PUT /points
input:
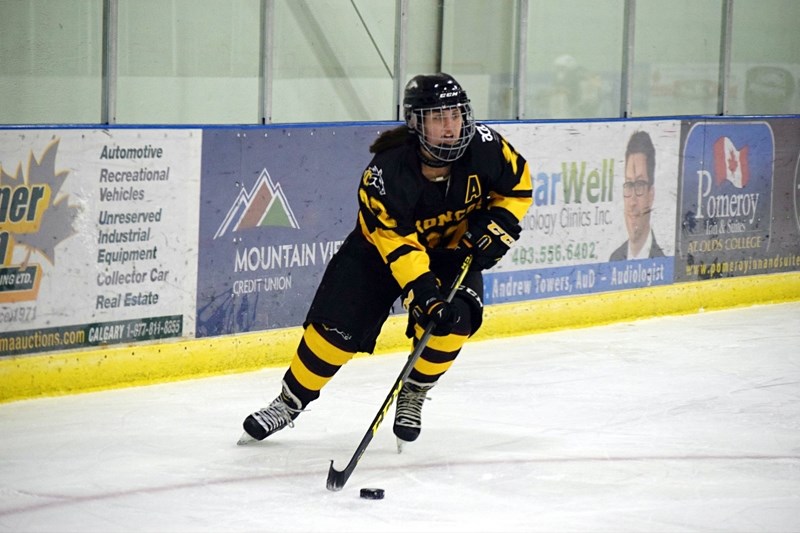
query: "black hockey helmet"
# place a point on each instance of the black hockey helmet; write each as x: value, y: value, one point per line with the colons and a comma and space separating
x: 425, y: 93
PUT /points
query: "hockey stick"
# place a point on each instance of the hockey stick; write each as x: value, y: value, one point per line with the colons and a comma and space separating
x: 337, y: 478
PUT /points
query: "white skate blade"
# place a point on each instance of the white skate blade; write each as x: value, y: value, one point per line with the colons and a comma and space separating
x: 245, y: 439
x: 400, y: 444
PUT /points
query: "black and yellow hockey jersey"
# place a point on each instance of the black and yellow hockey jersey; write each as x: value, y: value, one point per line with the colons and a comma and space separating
x: 403, y: 214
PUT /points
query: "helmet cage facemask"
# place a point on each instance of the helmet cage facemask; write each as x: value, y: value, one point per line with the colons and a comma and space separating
x: 445, y: 152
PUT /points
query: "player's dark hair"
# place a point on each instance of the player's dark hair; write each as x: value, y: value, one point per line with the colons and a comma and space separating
x: 640, y: 143
x: 391, y: 139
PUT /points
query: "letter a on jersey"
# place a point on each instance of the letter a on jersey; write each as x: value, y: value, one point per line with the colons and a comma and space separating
x: 473, y: 188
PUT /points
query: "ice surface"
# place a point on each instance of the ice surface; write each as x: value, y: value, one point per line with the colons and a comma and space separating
x: 671, y: 424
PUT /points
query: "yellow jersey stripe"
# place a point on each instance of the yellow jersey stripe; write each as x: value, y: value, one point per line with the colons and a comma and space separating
x: 524, y: 183
x: 516, y: 206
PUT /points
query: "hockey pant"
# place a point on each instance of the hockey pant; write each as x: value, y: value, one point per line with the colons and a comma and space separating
x: 321, y: 353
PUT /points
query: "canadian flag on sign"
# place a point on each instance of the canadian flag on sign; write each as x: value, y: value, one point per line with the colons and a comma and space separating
x: 730, y: 164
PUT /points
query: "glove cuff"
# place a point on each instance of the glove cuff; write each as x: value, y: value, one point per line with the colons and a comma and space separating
x: 422, y: 289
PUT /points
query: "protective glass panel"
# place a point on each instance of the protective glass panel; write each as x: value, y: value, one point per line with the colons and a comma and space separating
x: 333, y: 60
x: 677, y: 58
x: 423, y: 43
x: 478, y: 50
x: 50, y: 61
x: 765, y: 57
x: 574, y: 59
x: 188, y: 61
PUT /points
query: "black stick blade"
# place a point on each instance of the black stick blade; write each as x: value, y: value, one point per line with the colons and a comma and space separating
x: 336, y: 479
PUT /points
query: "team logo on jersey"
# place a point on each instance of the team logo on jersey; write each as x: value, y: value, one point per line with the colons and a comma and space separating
x: 373, y: 177
x: 263, y: 205
x: 34, y: 219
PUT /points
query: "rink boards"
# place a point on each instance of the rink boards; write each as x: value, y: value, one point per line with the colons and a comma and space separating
x: 139, y: 255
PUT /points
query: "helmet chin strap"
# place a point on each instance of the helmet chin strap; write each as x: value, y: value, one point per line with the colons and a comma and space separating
x: 435, y: 163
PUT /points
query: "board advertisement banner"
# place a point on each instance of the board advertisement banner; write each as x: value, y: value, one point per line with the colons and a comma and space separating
x: 98, y: 232
x: 125, y: 235
x: 276, y: 205
x: 738, y: 201
x: 575, y: 235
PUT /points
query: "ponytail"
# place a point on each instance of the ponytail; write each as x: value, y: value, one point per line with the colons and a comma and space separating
x: 391, y: 139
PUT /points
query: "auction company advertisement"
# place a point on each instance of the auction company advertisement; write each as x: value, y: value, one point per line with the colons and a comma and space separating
x: 97, y: 233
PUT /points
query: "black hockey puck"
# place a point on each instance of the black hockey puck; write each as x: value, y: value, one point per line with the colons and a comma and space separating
x: 372, y: 494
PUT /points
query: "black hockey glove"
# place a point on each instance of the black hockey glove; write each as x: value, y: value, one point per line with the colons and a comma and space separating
x: 426, y: 304
x: 489, y: 238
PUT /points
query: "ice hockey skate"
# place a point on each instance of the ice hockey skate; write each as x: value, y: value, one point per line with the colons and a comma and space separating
x: 408, y: 413
x: 276, y: 416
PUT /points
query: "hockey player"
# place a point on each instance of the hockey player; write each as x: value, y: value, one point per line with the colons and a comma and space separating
x: 439, y: 187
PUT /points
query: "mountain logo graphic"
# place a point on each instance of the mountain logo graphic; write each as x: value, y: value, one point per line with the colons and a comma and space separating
x: 263, y: 205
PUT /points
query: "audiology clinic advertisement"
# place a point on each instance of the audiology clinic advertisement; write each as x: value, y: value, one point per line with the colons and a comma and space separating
x: 576, y: 236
